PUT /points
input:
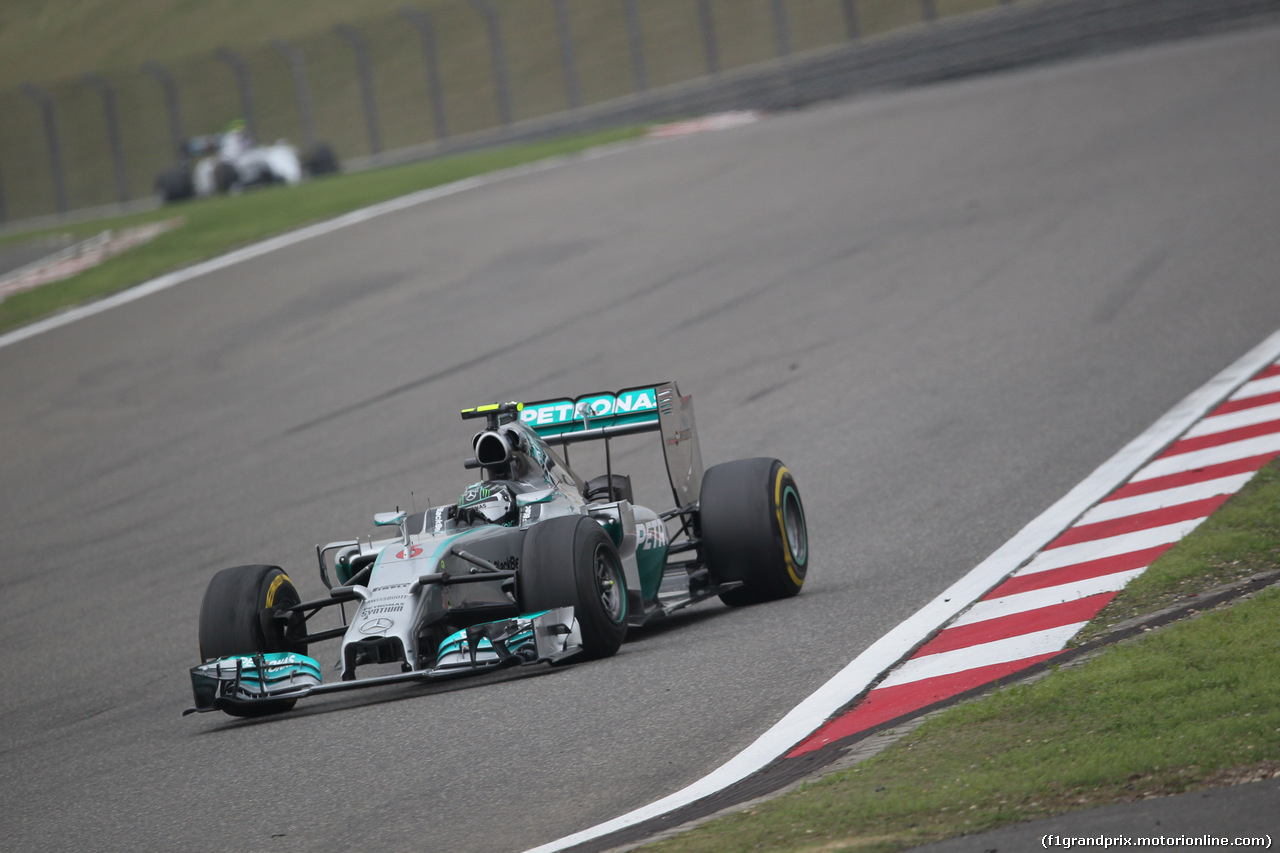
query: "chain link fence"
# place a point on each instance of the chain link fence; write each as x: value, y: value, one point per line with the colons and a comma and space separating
x: 447, y: 75
x: 430, y: 75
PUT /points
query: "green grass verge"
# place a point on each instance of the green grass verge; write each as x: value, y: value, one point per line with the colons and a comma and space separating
x: 214, y: 226
x: 1192, y: 704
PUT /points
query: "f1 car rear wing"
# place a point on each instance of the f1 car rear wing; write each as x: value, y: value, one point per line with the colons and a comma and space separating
x: 646, y: 408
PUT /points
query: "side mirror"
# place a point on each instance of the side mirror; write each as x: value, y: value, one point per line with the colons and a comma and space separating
x: 384, y: 519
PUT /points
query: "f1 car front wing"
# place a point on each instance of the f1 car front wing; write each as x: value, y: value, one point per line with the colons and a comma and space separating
x: 244, y: 683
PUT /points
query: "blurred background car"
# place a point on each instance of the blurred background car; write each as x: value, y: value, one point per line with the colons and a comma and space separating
x: 220, y: 163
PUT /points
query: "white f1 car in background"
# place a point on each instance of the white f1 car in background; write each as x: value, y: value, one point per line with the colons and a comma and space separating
x: 228, y: 162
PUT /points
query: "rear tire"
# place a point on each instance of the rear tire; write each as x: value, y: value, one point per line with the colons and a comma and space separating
x: 236, y: 618
x: 598, y: 489
x: 320, y: 160
x: 753, y: 530
x: 174, y: 185
x: 570, y: 561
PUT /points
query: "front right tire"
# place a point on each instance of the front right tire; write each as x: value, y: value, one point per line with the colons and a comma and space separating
x: 570, y: 561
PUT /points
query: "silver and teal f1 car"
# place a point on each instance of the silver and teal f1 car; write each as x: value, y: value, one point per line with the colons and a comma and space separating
x: 531, y: 564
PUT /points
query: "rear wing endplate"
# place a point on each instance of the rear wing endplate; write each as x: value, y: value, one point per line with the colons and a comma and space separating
x: 647, y: 408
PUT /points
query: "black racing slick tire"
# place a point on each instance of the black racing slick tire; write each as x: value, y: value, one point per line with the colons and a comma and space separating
x: 237, y: 618
x: 570, y: 561
x: 606, y: 488
x: 752, y: 529
x: 225, y: 177
x: 174, y: 185
x: 320, y: 160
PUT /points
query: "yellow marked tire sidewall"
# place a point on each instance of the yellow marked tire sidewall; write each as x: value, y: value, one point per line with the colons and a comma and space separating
x: 783, y: 474
x: 276, y: 583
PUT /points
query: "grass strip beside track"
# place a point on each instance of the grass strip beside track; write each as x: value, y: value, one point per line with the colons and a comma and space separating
x: 1194, y: 704
x: 212, y: 227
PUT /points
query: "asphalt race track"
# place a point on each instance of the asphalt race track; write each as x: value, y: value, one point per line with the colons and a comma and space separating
x: 941, y: 308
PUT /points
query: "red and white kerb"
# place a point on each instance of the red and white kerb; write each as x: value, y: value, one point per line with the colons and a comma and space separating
x: 1035, y: 612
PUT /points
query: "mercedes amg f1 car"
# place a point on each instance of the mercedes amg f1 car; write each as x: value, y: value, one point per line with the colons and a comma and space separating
x: 531, y: 564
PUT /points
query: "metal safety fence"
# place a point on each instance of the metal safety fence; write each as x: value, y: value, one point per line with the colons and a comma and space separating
x: 434, y: 74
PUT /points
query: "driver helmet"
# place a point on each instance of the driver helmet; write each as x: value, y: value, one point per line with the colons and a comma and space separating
x: 235, y: 139
x: 487, y: 503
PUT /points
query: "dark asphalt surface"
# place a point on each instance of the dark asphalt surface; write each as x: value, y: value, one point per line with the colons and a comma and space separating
x: 941, y: 308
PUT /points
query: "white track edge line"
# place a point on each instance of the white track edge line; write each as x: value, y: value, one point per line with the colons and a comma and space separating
x: 883, y: 654
x: 290, y: 238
